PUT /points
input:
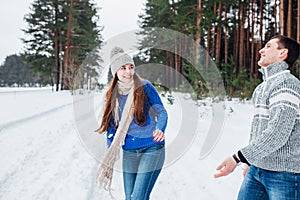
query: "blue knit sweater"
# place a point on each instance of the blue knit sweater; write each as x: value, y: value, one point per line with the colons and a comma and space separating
x: 156, y: 118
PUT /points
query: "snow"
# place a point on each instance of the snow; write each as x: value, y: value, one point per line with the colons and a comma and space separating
x: 44, y: 155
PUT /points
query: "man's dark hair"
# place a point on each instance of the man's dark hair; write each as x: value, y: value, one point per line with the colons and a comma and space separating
x: 292, y: 46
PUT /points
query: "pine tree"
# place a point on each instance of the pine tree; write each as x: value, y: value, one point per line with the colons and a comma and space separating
x: 232, y: 32
x: 14, y: 71
x: 60, y: 33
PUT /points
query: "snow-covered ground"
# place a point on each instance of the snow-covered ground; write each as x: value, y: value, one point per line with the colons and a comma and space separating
x: 44, y: 157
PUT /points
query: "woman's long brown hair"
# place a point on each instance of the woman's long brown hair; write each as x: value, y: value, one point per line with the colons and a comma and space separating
x: 138, y: 98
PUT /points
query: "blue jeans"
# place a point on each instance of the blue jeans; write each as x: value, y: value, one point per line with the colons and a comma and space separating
x: 141, y: 168
x: 260, y: 184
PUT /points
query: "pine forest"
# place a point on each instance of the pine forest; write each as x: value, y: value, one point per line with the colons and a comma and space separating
x: 62, y: 33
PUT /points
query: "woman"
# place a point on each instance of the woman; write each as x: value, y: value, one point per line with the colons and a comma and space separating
x: 134, y: 118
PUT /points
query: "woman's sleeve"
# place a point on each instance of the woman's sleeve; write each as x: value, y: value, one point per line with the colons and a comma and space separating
x: 157, y: 106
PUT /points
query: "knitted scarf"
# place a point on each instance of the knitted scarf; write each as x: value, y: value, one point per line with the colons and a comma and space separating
x: 105, y: 171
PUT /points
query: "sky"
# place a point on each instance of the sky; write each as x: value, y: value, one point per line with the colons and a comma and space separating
x: 116, y: 16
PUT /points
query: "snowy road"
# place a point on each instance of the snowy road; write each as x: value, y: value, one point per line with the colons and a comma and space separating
x: 43, y: 157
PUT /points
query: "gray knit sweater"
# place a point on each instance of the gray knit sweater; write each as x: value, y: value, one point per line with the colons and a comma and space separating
x: 275, y: 132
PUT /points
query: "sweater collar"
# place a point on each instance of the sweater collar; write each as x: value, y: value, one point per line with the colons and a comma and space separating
x: 273, y: 69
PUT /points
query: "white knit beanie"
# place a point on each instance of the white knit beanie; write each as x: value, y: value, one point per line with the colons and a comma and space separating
x: 118, y: 58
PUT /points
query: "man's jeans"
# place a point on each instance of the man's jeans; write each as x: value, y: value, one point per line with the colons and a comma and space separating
x: 262, y: 184
x: 141, y: 168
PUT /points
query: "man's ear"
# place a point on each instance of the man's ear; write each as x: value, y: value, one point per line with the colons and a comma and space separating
x: 283, y: 53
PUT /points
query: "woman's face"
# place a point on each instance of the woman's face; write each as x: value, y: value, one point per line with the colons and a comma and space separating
x: 125, y: 73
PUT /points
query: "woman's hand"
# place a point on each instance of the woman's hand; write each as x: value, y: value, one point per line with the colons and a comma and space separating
x: 158, y: 136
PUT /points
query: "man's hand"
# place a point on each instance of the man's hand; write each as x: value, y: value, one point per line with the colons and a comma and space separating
x: 245, y: 170
x: 226, y: 167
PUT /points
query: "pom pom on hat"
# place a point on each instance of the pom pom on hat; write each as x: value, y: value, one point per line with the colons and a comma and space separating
x: 116, y: 50
x: 118, y: 58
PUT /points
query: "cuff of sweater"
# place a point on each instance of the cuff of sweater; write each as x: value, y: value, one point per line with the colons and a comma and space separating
x: 242, y: 158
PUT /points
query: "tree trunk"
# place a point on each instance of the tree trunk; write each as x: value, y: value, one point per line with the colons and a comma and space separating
x: 237, y: 41
x: 235, y: 48
x: 214, y: 32
x: 260, y: 42
x: 241, y: 43
x: 253, y: 53
x: 198, y: 20
x: 198, y: 39
x: 61, y: 66
x: 261, y: 15
x: 226, y: 38
x: 275, y: 17
x: 298, y: 22
x: 247, y: 52
x: 219, y: 33
x: 166, y: 71
x: 67, y: 49
x: 176, y: 60
x: 289, y: 19
x: 57, y: 49
x: 281, y: 17
x: 208, y: 47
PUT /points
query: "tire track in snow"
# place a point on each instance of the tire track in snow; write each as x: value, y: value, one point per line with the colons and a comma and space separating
x: 46, y: 161
x: 37, y: 115
x: 34, y: 116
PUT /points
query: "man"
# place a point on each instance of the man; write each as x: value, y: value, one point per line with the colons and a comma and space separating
x: 273, y: 155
